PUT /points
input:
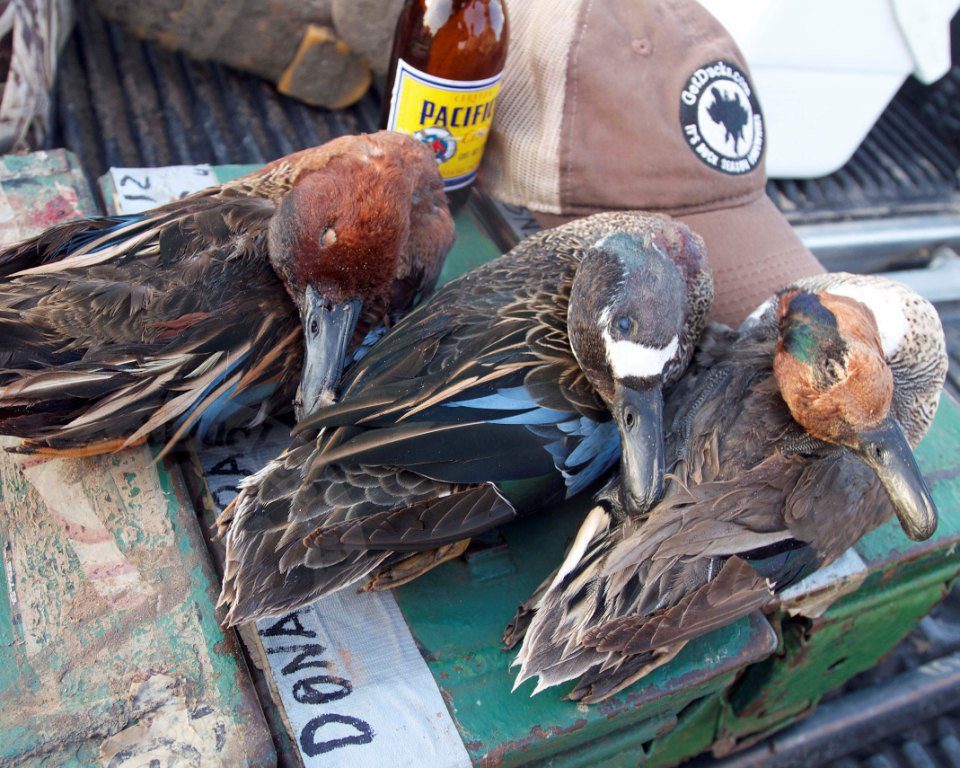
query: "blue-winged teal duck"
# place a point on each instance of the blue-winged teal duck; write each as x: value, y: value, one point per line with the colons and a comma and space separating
x: 520, y: 382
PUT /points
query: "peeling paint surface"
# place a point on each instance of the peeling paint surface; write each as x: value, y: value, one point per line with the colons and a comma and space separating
x: 114, y: 636
x: 864, y: 608
x: 39, y: 190
x: 457, y: 620
x: 899, y: 584
x: 110, y: 649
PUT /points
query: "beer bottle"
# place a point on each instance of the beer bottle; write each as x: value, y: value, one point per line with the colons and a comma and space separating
x: 444, y: 77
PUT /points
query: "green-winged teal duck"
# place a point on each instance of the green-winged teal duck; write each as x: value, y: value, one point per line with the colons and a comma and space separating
x: 789, y: 441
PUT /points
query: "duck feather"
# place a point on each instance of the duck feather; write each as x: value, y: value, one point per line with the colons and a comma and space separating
x: 107, y: 302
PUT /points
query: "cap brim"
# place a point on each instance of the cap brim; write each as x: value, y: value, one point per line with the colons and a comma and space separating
x: 753, y: 253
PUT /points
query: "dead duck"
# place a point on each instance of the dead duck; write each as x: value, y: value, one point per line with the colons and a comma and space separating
x: 521, y: 381
x: 790, y: 441
x: 114, y: 328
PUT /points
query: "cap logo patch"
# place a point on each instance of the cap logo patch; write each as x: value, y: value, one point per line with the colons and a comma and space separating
x: 721, y: 118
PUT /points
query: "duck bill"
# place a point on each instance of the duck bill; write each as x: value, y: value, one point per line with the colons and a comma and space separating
x: 887, y: 452
x: 327, y: 331
x: 639, y: 414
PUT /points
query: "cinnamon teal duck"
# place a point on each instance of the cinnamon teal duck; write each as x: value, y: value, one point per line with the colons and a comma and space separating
x: 790, y: 440
x: 114, y: 328
x: 520, y: 382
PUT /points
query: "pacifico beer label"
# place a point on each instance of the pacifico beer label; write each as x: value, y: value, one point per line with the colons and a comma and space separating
x: 452, y: 117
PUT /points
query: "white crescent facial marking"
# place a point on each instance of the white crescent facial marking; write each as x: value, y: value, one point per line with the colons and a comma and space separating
x: 887, y: 309
x: 627, y: 358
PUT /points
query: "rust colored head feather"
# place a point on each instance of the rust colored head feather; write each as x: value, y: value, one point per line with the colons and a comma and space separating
x: 835, y: 380
x: 360, y: 213
x: 830, y: 365
x: 344, y: 224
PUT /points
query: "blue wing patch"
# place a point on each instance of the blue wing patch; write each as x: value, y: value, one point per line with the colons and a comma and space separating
x: 582, y: 449
x: 369, y: 340
x: 227, y: 404
x: 596, y: 452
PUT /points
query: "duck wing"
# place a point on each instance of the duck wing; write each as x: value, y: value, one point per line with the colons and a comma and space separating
x: 730, y: 578
x: 707, y: 556
x: 473, y: 391
x: 59, y: 241
x: 289, y: 542
x: 477, y: 385
x: 111, y: 328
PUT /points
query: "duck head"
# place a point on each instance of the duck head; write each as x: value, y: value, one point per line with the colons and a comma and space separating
x: 625, y: 322
x: 835, y: 380
x: 342, y: 237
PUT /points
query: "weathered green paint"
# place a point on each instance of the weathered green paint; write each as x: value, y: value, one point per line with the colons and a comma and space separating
x: 471, y: 249
x: 72, y: 663
x: 232, y: 171
x: 72, y: 678
x: 457, y: 618
x: 905, y: 580
x: 204, y: 582
x: 821, y: 654
x: 73, y: 689
x: 38, y: 190
x: 192, y: 472
x: 695, y: 732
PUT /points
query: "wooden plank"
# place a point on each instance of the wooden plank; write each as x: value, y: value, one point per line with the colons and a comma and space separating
x: 110, y: 650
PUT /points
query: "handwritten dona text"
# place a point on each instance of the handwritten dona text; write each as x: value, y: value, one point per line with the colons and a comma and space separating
x: 309, y: 677
x: 327, y: 731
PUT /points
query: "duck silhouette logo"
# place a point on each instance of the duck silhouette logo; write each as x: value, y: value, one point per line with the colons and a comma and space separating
x: 440, y: 140
x: 721, y: 119
x: 729, y: 112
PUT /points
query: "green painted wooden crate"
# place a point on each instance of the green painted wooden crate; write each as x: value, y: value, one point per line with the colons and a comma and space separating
x: 458, y: 611
x: 903, y: 581
x: 722, y: 691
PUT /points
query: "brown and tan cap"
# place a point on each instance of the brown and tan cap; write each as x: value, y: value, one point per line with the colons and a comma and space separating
x: 642, y: 104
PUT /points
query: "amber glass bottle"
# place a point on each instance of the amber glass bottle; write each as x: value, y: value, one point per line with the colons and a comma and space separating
x: 444, y: 77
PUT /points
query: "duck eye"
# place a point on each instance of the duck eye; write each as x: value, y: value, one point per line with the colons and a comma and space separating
x: 328, y: 236
x: 834, y: 370
x: 314, y: 327
x: 624, y: 323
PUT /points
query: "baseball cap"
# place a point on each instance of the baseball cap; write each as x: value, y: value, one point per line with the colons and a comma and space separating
x: 642, y: 104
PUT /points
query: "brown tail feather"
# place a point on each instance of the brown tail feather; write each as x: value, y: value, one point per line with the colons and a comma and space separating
x: 92, y: 449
